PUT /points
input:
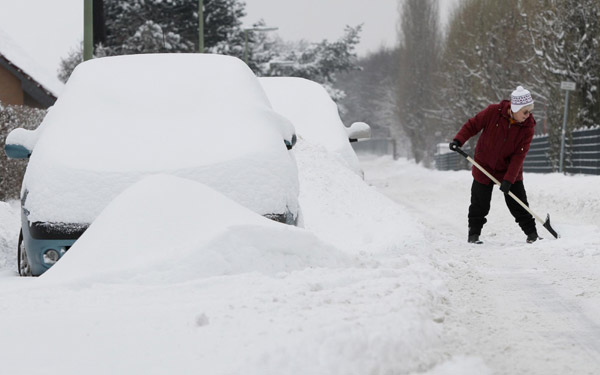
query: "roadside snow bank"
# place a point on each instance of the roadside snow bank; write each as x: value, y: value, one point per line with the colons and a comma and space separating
x: 339, y: 207
x: 170, y: 229
x: 10, y: 224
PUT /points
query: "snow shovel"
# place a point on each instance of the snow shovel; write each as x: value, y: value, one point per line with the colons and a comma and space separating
x: 546, y: 223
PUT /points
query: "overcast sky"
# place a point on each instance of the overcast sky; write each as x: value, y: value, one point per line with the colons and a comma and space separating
x: 315, y: 20
x: 49, y: 29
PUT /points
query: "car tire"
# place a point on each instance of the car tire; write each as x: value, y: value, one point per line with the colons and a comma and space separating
x: 22, y: 260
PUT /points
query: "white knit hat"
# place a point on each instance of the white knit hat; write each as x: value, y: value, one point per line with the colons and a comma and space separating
x: 520, y: 98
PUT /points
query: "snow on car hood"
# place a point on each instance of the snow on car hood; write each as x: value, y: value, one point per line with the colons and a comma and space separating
x: 203, y: 117
x: 312, y: 111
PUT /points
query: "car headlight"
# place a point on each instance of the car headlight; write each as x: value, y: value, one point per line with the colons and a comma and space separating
x: 51, y: 256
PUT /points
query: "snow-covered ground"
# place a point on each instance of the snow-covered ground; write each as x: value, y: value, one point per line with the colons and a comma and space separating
x: 521, y: 308
x: 372, y: 284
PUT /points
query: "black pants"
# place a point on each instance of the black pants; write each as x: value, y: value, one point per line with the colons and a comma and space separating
x: 481, y: 196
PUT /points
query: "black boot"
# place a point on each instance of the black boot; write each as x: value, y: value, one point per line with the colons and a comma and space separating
x: 532, y: 237
x: 474, y: 238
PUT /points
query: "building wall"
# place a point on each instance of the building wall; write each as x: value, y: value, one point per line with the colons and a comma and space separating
x: 31, y: 102
x: 10, y: 88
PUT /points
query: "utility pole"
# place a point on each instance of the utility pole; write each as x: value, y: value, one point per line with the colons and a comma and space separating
x: 567, y: 86
x: 88, y: 29
x: 200, y: 26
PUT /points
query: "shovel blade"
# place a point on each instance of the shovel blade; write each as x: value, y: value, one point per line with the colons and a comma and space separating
x: 549, y: 227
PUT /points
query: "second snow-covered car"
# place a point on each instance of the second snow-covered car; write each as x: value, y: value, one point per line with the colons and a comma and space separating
x: 315, y: 116
x: 198, y: 116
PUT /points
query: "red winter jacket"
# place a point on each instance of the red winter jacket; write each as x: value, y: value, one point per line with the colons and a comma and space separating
x: 502, y: 147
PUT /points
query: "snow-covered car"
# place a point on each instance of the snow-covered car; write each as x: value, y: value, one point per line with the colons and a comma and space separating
x: 315, y: 116
x: 198, y: 116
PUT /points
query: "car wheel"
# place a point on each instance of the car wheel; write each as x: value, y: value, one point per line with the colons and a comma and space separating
x: 23, y: 262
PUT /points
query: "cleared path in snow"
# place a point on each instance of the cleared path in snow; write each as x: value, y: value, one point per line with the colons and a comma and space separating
x: 524, y: 309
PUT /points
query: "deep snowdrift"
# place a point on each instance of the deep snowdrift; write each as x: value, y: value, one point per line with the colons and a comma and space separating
x: 168, y: 229
x: 10, y: 224
x: 189, y: 283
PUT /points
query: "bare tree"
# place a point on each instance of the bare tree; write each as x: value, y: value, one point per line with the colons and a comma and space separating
x: 371, y: 92
x: 493, y: 46
x: 487, y: 53
x: 418, y: 64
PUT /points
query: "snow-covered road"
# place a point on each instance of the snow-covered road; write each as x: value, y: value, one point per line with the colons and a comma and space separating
x: 366, y: 287
x: 524, y: 309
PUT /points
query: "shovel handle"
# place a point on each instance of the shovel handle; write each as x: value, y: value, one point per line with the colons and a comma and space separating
x: 460, y: 151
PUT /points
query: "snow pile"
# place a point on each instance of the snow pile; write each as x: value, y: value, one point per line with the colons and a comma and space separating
x: 10, y: 224
x: 195, y: 233
x: 583, y: 199
x: 562, y: 197
x: 339, y: 207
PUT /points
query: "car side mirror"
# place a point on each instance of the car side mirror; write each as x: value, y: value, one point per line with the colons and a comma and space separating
x: 292, y: 143
x: 18, y: 143
x: 16, y: 151
x: 358, y: 130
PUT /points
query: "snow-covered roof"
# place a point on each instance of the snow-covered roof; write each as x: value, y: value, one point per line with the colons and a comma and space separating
x: 18, y: 59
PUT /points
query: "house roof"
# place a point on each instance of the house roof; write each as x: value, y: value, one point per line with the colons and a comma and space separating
x: 36, y: 80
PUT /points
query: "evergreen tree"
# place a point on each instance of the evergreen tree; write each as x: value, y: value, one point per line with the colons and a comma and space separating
x: 222, y: 24
x: 319, y: 62
x: 149, y: 26
x: 150, y: 37
x: 176, y: 20
x: 69, y: 63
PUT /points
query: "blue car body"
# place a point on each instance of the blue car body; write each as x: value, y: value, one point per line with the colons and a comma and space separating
x: 37, y: 245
